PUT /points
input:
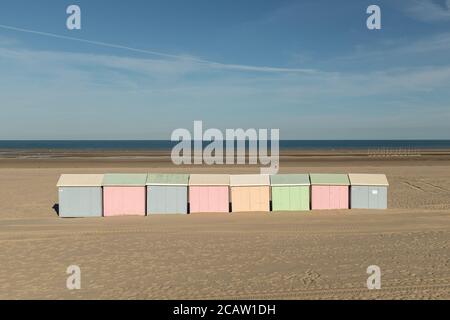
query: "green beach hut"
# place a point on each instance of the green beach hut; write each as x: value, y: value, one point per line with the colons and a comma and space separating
x: 290, y: 192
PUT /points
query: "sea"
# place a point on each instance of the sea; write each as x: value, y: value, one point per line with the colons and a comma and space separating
x: 166, y: 144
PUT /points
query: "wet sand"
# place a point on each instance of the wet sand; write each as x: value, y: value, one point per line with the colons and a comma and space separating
x: 301, y: 255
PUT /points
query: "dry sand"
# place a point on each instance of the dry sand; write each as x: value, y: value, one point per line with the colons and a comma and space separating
x: 312, y: 255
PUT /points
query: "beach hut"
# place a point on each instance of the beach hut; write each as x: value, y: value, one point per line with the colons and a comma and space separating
x: 167, y: 193
x: 329, y: 191
x: 124, y: 194
x: 80, y: 195
x: 209, y: 192
x: 250, y: 192
x: 290, y: 192
x: 368, y: 191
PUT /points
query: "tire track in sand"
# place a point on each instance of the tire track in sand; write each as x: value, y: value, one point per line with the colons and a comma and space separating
x: 336, y: 292
x: 435, y: 186
x: 413, y: 186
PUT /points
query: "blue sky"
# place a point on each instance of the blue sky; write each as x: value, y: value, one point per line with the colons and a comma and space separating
x: 310, y: 68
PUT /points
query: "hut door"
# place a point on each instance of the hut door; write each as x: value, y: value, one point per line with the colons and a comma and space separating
x: 373, y: 198
x: 360, y: 197
x: 377, y: 198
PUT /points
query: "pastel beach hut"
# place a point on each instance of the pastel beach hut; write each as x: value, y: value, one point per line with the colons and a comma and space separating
x: 368, y: 191
x: 250, y: 193
x: 209, y: 193
x: 124, y: 194
x: 329, y: 191
x: 167, y: 193
x: 290, y: 192
x: 80, y: 195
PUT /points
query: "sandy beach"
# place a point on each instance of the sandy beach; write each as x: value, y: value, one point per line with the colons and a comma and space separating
x: 301, y: 255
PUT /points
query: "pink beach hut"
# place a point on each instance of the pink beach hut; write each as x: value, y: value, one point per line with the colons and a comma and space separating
x: 124, y: 194
x: 329, y: 191
x: 209, y: 192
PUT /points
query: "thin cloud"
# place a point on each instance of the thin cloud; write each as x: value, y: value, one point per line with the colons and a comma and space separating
x: 70, y: 84
x: 168, y: 76
x: 7, y: 42
x: 208, y: 63
x: 428, y: 10
x: 435, y: 43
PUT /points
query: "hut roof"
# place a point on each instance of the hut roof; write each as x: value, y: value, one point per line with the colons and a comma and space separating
x: 249, y: 180
x: 333, y: 179
x: 169, y: 179
x: 80, y: 180
x: 290, y: 180
x: 362, y: 179
x: 124, y: 179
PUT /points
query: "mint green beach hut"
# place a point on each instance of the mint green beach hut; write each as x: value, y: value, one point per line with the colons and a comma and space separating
x: 290, y: 192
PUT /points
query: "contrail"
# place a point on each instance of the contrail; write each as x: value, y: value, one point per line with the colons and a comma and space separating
x: 212, y: 64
